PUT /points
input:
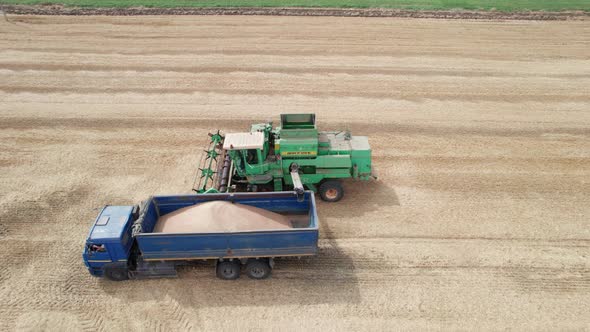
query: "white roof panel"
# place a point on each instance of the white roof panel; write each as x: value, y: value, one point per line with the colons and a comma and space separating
x: 242, y: 141
x: 360, y: 143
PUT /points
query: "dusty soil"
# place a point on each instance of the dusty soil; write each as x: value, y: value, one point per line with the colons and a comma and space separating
x: 480, y: 131
x: 296, y: 11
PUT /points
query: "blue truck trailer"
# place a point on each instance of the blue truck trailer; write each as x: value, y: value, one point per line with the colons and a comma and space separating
x: 121, y: 244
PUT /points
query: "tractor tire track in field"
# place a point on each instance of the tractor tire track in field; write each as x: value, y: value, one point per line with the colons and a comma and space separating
x: 480, y: 133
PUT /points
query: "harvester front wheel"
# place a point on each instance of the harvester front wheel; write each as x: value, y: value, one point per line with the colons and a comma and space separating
x: 331, y: 191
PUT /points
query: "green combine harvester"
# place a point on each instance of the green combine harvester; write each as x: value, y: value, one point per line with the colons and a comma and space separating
x: 293, y: 156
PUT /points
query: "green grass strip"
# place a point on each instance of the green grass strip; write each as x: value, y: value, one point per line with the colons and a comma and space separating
x: 501, y: 5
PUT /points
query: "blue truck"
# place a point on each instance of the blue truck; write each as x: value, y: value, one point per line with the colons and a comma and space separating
x: 121, y: 244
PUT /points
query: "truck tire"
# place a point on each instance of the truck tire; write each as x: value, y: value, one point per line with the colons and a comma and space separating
x: 228, y: 270
x: 331, y: 191
x: 116, y: 272
x: 258, y: 269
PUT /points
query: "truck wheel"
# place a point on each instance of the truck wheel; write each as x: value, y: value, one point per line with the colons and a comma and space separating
x: 258, y: 269
x: 228, y: 270
x: 331, y: 191
x: 116, y: 272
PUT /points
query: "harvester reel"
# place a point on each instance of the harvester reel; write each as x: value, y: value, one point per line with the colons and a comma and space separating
x: 208, y: 164
x: 212, y: 154
x: 217, y: 137
x: 206, y: 173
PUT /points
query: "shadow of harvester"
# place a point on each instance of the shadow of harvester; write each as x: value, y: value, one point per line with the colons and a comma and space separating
x: 360, y: 198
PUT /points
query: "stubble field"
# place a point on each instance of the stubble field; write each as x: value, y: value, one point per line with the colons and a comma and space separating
x: 480, y: 131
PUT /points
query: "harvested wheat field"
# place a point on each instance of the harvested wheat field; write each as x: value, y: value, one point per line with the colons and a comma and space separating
x: 480, y: 132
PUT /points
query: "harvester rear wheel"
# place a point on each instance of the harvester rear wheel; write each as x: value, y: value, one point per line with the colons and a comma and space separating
x: 331, y: 191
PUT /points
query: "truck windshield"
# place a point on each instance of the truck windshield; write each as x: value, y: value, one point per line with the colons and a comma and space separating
x: 97, y: 248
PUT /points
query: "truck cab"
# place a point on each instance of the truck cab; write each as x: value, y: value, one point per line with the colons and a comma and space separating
x: 109, y: 242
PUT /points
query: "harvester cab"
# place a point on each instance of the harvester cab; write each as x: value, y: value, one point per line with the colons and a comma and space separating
x: 293, y: 156
x: 247, y: 151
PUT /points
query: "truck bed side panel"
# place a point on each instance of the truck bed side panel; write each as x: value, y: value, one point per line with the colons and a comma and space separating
x: 227, y: 245
x: 268, y: 243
